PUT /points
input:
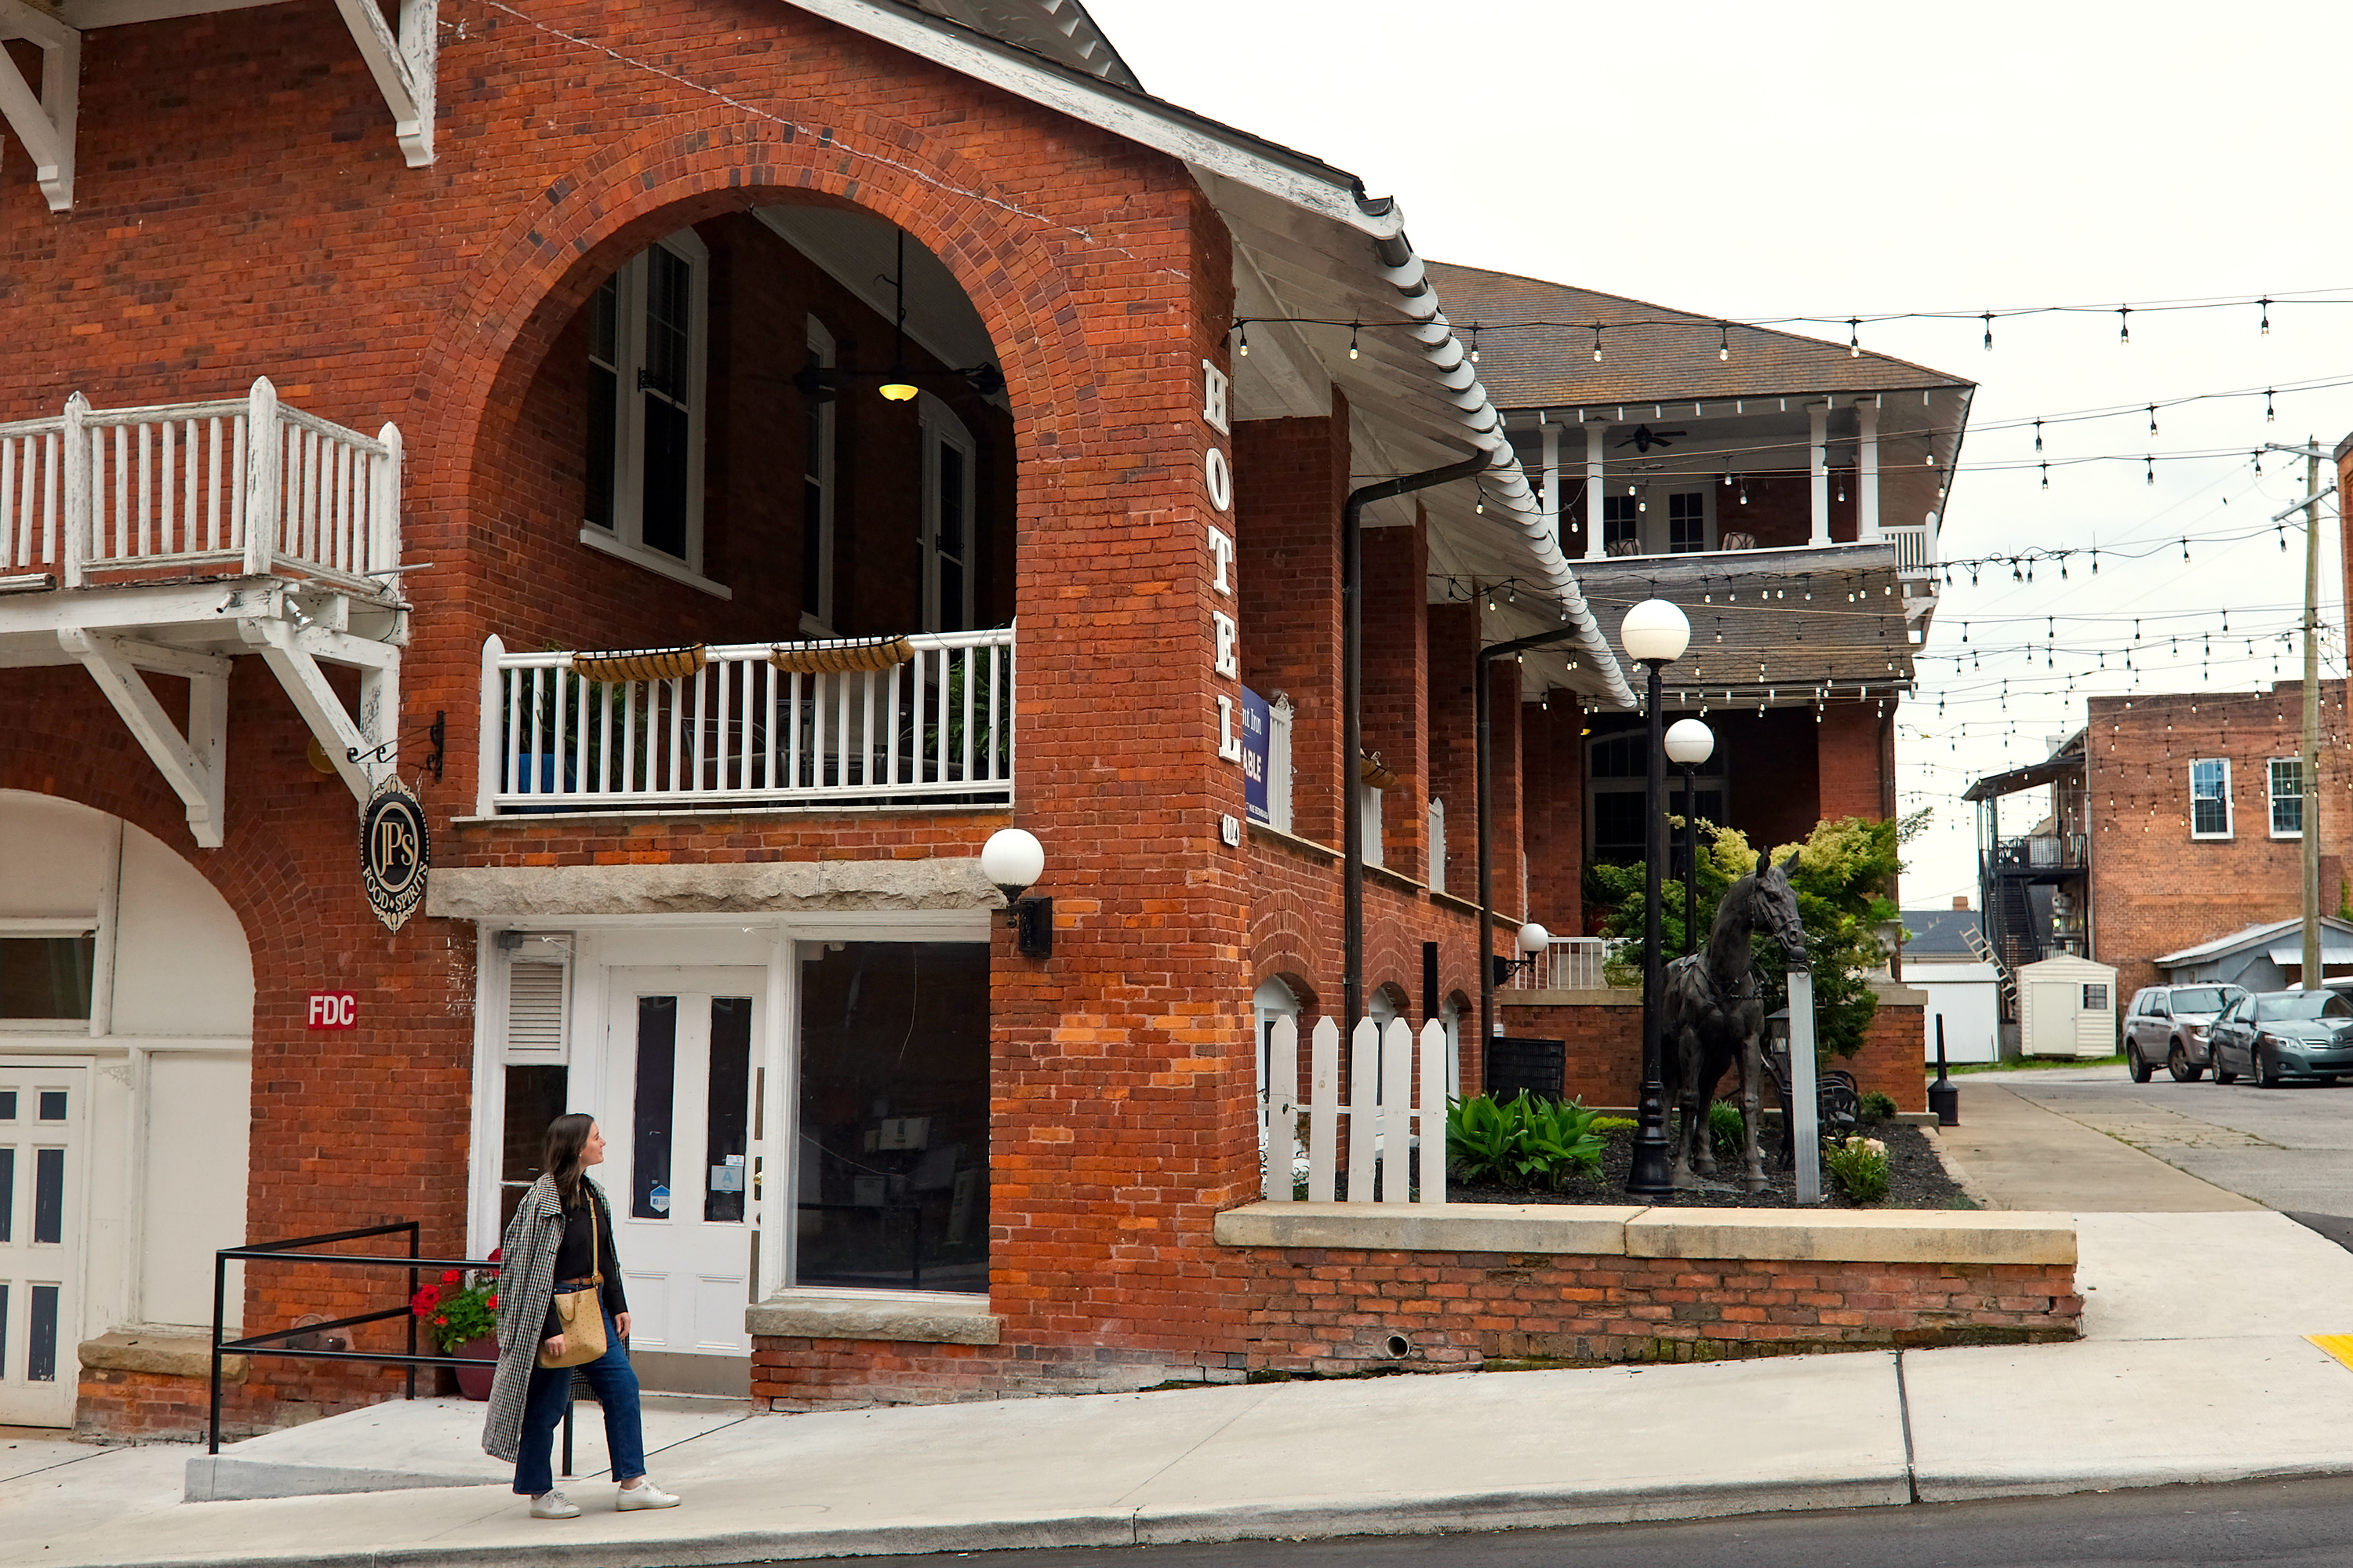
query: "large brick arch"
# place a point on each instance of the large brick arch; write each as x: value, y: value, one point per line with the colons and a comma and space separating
x: 533, y: 276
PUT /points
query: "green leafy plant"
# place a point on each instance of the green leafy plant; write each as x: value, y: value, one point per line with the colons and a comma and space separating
x: 1525, y: 1142
x: 462, y: 1307
x: 1876, y: 1107
x: 1605, y: 1125
x: 1727, y: 1128
x: 1859, y: 1166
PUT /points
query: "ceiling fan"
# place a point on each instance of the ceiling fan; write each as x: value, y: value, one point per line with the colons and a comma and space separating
x: 1645, y: 438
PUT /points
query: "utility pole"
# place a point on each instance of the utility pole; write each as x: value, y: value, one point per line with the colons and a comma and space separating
x: 2309, y: 768
x: 2308, y: 764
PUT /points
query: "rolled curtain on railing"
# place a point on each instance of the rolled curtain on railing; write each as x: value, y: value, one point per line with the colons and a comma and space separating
x: 739, y: 724
x: 232, y: 480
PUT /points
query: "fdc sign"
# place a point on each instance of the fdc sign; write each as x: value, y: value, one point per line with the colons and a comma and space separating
x: 334, y: 1010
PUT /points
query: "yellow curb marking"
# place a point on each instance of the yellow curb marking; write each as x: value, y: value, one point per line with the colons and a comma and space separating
x: 2337, y: 1345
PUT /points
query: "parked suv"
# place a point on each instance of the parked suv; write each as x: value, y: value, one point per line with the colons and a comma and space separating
x: 2169, y: 1023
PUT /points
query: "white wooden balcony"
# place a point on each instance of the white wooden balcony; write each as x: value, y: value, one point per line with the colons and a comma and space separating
x: 169, y: 538
x: 919, y: 721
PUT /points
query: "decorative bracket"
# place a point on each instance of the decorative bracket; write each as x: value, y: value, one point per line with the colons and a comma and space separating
x: 194, y: 765
x: 353, y: 746
x: 404, y: 65
x: 44, y: 124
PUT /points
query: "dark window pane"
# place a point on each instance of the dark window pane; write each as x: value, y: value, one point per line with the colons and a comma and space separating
x: 892, y: 1173
x: 670, y: 279
x: 951, y: 595
x: 664, y: 512
x: 4, y: 1325
x: 52, y: 1105
x: 951, y: 499
x: 604, y: 409
x: 49, y: 1195
x: 812, y: 549
x: 650, y: 1114
x: 1618, y: 824
x: 604, y: 325
x: 535, y: 1096
x: 45, y: 977
x: 1686, y: 522
x: 1621, y: 520
x: 7, y: 1105
x: 730, y: 1112
x: 41, y: 1356
x: 7, y: 1198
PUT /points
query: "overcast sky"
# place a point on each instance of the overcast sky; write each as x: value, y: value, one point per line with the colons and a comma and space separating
x: 1846, y: 159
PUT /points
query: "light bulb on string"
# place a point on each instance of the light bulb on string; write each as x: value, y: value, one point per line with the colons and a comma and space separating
x: 2037, y: 435
x: 2152, y: 469
x: 1241, y: 330
x: 2124, y: 324
x: 1352, y: 343
x: 1474, y: 343
x: 1855, y: 337
x: 1988, y: 326
x: 2046, y: 476
x: 2270, y: 414
x: 1596, y: 343
x: 2266, y: 302
x: 1723, y: 341
x: 2152, y: 418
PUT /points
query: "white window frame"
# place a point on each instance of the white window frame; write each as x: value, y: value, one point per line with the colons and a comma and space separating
x: 67, y: 927
x: 2228, y: 811
x: 821, y: 468
x: 1705, y: 491
x: 626, y: 538
x: 940, y: 426
x: 2271, y: 779
x: 1368, y: 824
x: 1653, y: 534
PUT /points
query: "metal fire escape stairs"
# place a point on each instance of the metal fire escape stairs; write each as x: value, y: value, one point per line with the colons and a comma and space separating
x: 169, y: 540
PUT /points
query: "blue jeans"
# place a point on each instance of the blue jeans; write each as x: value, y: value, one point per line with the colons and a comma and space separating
x: 614, y: 1382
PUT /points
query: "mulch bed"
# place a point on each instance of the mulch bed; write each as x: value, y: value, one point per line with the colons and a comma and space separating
x: 1916, y: 1179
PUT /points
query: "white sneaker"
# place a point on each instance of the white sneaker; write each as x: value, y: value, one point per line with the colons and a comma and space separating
x: 645, y: 1494
x: 554, y: 1505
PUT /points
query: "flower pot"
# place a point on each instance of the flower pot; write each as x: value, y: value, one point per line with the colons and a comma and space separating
x: 474, y: 1382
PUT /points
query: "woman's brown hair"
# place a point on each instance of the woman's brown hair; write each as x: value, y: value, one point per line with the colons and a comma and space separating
x: 567, y: 1135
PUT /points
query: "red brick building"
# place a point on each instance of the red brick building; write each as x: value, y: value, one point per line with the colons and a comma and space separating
x: 511, y: 404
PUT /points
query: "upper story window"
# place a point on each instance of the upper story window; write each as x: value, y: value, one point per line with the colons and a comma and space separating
x: 648, y: 327
x: 818, y: 481
x: 2287, y: 797
x: 1686, y: 522
x: 2210, y: 797
x: 1621, y: 525
x: 1616, y: 786
x: 949, y: 496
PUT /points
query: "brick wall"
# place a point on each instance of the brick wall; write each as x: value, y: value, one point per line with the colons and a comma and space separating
x: 1604, y: 1048
x: 1397, y: 685
x: 1335, y: 1311
x: 2156, y: 889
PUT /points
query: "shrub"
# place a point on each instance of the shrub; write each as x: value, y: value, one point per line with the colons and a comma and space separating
x: 1524, y: 1141
x: 1609, y: 1124
x: 1727, y: 1128
x: 1876, y: 1107
x: 1859, y: 1166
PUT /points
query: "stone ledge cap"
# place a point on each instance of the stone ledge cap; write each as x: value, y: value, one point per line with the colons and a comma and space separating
x: 163, y: 1354
x: 1855, y: 1236
x: 933, y: 1317
x: 1430, y: 1227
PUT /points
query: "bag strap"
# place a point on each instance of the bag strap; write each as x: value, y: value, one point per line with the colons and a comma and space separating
x: 596, y: 1240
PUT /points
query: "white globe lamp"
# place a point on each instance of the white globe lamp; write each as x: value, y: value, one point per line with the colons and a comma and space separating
x: 1690, y: 743
x: 1654, y: 633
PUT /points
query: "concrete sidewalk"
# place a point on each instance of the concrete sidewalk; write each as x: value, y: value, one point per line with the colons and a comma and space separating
x: 2010, y: 1153
x: 2195, y: 1367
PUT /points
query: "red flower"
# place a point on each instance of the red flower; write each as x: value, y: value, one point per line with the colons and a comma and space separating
x: 497, y: 1253
x: 451, y: 1277
x: 493, y: 1302
x: 441, y: 1318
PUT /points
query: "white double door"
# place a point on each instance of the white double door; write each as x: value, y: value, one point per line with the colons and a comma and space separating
x: 682, y: 1074
x: 44, y: 1121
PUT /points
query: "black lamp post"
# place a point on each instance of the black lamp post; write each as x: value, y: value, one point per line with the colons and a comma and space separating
x: 1689, y: 744
x: 1655, y: 634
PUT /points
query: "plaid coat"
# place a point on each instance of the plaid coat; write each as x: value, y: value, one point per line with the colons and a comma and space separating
x: 526, y: 1285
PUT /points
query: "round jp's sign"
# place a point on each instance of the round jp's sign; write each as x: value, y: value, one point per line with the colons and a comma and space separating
x: 395, y: 853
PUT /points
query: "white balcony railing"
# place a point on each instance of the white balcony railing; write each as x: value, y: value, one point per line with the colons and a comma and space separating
x: 752, y: 723
x: 1915, y: 548
x: 1568, y: 963
x: 240, y: 485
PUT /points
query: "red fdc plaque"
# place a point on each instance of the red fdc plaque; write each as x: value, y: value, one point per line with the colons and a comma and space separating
x: 334, y: 1010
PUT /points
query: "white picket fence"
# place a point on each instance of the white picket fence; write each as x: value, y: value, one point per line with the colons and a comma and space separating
x: 1395, y: 1113
x: 234, y: 484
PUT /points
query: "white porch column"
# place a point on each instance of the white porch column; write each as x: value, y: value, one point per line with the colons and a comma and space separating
x: 1594, y: 481
x: 1818, y: 420
x: 1866, y: 478
x: 1552, y: 480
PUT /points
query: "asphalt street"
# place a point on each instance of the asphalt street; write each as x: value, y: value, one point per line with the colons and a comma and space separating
x: 2289, y: 1149
x: 2305, y: 1522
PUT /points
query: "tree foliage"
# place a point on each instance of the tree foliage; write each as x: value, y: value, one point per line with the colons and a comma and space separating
x: 1845, y: 874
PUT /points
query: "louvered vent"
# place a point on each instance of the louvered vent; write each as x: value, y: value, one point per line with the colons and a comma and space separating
x: 534, y: 1009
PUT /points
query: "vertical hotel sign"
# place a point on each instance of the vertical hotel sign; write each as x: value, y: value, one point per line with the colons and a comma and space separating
x: 1218, y: 479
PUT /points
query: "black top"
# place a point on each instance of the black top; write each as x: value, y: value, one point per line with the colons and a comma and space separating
x: 572, y: 1259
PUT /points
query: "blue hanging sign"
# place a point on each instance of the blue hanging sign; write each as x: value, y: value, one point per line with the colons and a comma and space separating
x: 1257, y: 719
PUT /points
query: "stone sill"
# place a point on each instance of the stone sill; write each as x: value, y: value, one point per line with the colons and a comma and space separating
x: 1606, y: 996
x: 1833, y: 1235
x: 161, y: 1353
x: 909, y: 1317
x: 1293, y: 842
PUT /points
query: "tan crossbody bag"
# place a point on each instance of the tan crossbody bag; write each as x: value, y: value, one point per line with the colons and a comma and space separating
x: 581, y: 1313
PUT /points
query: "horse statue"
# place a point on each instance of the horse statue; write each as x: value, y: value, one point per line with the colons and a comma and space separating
x: 1713, y: 1018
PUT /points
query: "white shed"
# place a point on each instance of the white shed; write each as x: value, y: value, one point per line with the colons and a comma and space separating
x: 2067, y: 1007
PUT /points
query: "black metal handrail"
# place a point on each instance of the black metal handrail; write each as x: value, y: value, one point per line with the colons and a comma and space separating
x: 291, y: 1252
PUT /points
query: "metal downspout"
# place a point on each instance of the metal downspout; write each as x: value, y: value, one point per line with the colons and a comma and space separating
x: 1352, y: 682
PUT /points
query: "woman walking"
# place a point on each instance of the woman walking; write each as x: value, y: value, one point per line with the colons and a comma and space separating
x: 558, y: 1262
